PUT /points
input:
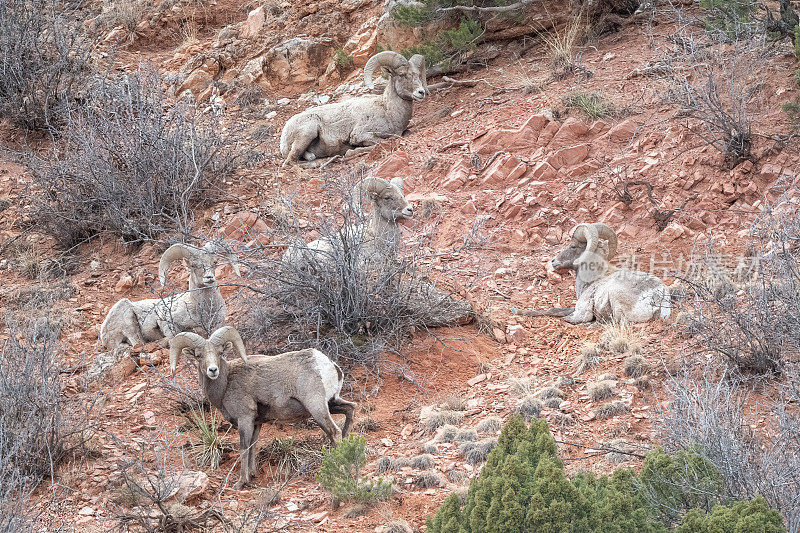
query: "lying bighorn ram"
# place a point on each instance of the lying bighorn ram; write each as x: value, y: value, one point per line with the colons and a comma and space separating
x: 333, y: 129
x: 605, y: 292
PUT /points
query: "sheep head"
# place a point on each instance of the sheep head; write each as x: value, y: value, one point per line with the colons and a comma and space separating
x: 208, y: 353
x: 202, y: 262
x: 387, y: 197
x: 407, y: 77
x: 590, y: 248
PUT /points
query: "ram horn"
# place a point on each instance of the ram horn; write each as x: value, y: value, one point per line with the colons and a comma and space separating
x: 397, y: 181
x: 419, y: 61
x: 367, y: 185
x: 229, y: 334
x: 588, y: 234
x: 187, y: 339
x: 388, y: 59
x: 605, y: 232
x: 172, y: 254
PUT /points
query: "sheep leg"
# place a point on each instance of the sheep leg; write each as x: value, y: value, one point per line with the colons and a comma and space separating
x: 337, y: 406
x: 364, y: 138
x: 121, y: 326
x: 302, y: 140
x: 245, y: 440
x: 583, y: 312
x: 322, y: 417
x: 253, y: 454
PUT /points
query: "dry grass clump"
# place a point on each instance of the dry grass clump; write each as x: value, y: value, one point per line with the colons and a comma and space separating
x: 489, y: 425
x: 611, y: 409
x: 455, y: 402
x: 549, y: 392
x: 600, y: 391
x: 422, y: 462
x: 447, y: 433
x: 608, y: 376
x: 456, y: 476
x: 643, y: 383
x: 588, y: 357
x: 433, y: 419
x: 620, y: 338
x: 522, y: 386
x: 427, y: 479
x: 398, y: 526
x: 466, y: 435
x: 529, y: 407
x: 563, y: 381
x: 552, y: 403
x: 635, y: 366
x: 367, y: 425
x: 430, y: 448
x: 479, y: 451
x: 384, y: 464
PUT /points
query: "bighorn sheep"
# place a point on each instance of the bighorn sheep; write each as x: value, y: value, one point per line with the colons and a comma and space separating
x: 201, y: 308
x: 378, y: 238
x: 605, y: 292
x: 333, y: 129
x: 260, y: 388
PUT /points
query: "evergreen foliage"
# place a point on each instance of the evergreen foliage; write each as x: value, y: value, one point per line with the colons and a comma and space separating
x: 523, y: 487
x: 340, y: 473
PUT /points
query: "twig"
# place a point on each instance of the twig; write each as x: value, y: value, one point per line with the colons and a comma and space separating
x: 603, y: 447
x: 453, y: 145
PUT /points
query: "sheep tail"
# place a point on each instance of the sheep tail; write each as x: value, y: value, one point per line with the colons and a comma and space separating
x: 553, y: 311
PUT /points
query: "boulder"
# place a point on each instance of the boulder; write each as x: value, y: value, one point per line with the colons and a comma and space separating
x: 520, y: 140
x: 568, y: 157
x: 298, y: 60
x: 254, y: 23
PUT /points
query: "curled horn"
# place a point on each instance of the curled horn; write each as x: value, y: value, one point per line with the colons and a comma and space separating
x: 397, y: 181
x: 419, y: 61
x: 229, y: 334
x: 605, y: 232
x: 367, y: 185
x: 187, y: 339
x: 588, y: 234
x: 172, y: 254
x: 388, y: 59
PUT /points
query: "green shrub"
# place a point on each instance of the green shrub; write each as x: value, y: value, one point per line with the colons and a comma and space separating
x: 728, y: 16
x: 342, y: 59
x: 340, y: 473
x: 449, y: 45
x: 679, y: 482
x: 741, y: 517
x: 523, y: 487
x: 797, y: 42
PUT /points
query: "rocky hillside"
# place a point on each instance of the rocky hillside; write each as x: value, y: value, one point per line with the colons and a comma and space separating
x: 543, y: 121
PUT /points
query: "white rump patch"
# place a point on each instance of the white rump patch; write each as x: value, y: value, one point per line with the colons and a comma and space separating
x: 327, y: 371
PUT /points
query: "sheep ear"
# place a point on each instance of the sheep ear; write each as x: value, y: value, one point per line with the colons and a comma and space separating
x: 398, y: 182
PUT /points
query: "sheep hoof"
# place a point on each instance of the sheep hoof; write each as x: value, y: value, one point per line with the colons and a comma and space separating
x: 308, y: 156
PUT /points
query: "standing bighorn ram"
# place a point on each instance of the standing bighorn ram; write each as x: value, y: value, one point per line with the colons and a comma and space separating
x: 259, y: 388
x: 605, y: 292
x: 333, y: 129
x: 200, y: 308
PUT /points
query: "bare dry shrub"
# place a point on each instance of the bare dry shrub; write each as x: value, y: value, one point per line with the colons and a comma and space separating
x: 130, y: 163
x: 753, y: 443
x: 718, y: 83
x: 44, y: 60
x: 351, y: 302
x: 752, y: 326
x: 38, y: 425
